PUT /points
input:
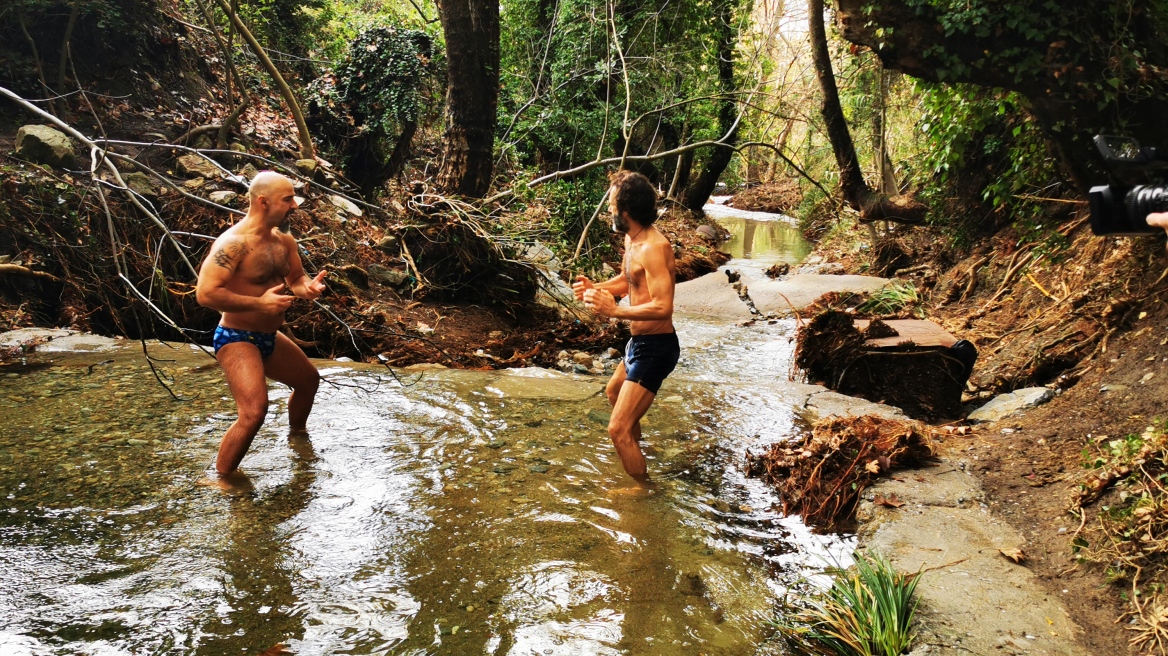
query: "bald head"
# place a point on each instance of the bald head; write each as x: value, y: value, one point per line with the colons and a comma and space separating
x: 268, y: 184
x: 272, y: 196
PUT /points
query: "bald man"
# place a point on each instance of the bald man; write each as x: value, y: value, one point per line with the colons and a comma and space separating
x: 247, y: 277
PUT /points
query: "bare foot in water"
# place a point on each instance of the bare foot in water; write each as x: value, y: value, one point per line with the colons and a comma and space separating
x: 644, y: 489
x: 299, y: 443
x: 236, y: 482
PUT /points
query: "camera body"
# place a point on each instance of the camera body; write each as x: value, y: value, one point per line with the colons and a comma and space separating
x: 1123, y: 209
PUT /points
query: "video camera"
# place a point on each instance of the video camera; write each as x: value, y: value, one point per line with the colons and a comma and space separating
x: 1121, y: 209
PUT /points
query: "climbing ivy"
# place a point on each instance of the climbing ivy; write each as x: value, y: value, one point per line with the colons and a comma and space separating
x: 376, y: 87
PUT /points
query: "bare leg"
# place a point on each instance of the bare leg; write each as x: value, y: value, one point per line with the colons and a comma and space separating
x: 612, y: 391
x: 288, y: 365
x: 624, y: 428
x: 244, y: 370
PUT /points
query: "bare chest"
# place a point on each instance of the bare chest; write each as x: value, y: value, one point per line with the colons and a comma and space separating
x: 266, y: 262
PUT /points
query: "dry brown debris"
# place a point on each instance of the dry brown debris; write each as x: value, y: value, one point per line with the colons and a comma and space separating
x: 821, y: 476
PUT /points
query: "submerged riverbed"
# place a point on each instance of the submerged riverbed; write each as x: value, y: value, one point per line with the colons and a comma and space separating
x: 448, y: 512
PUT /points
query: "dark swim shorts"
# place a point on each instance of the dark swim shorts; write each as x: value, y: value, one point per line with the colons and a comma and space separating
x: 650, y: 358
x: 265, y: 342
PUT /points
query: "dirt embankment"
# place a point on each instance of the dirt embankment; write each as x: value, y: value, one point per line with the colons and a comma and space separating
x: 1086, y: 319
x: 414, y: 277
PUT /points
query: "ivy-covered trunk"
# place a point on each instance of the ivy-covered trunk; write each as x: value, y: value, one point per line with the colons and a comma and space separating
x: 471, y: 28
x: 1086, y: 67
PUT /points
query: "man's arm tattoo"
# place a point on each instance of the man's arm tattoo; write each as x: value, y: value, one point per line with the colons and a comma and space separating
x: 226, y: 256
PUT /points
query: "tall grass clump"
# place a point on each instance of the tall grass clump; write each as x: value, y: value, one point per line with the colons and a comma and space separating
x: 892, y: 299
x: 868, y: 611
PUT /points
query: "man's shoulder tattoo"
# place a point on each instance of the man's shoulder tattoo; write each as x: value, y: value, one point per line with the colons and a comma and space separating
x: 229, y: 255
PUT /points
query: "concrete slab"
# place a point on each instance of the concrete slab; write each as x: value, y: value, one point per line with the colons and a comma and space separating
x: 799, y: 291
x: 59, y: 340
x: 833, y: 404
x: 710, y: 295
x: 973, y: 600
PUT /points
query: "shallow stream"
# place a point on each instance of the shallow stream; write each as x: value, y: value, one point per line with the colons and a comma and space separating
x: 462, y: 513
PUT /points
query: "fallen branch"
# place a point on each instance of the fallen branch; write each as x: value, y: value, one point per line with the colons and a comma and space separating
x: 18, y: 270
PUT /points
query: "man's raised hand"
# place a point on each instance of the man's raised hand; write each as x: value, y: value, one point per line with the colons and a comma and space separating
x: 274, y: 301
x: 600, y: 301
x: 315, y: 287
x: 582, y: 283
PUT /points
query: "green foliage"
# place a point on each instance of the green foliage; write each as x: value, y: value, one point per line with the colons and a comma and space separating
x: 891, y: 299
x: 868, y: 611
x: 375, y: 89
x: 983, y: 137
x: 563, y: 94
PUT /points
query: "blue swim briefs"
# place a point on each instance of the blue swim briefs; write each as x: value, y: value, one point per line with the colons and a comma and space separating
x: 265, y: 342
x: 650, y: 358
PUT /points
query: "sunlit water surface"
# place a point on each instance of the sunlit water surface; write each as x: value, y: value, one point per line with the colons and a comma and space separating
x: 463, y: 513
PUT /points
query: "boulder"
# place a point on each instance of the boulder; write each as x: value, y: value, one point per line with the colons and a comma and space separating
x: 387, y: 243
x: 222, y: 197
x: 141, y: 184
x: 386, y: 276
x: 306, y: 166
x: 248, y: 171
x: 708, y: 232
x: 1005, y: 405
x: 194, y: 165
x: 44, y: 145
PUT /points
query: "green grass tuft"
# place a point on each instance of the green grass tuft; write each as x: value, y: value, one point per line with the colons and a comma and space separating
x: 891, y: 299
x: 868, y: 611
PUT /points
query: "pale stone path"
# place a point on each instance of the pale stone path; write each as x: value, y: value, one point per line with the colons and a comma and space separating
x: 973, y: 600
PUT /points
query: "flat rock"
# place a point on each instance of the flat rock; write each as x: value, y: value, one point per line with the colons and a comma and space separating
x: 141, y: 184
x: 1004, y: 405
x: 833, y: 404
x: 194, y: 165
x: 800, y: 290
x: 306, y: 166
x: 60, y: 340
x: 710, y: 295
x: 222, y: 197
x: 346, y: 204
x: 44, y: 145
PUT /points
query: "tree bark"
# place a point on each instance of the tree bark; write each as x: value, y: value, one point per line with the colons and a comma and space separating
x: 697, y: 193
x: 306, y: 149
x: 856, y: 193
x: 471, y: 28
x: 1063, y: 71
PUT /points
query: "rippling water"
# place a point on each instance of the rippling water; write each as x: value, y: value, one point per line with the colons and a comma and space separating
x: 462, y: 513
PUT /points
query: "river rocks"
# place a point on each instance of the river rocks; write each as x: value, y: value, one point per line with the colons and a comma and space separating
x: 581, y: 362
x: 195, y: 165
x: 44, y: 145
x: 708, y: 232
x: 1004, y: 405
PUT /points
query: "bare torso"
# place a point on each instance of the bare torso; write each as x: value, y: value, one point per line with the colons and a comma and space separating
x: 263, y: 263
x: 634, y: 270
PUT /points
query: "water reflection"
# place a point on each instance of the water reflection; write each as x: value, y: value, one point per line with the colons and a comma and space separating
x: 469, y: 514
x: 764, y: 242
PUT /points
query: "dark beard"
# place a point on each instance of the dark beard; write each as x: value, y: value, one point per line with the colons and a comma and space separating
x: 620, y: 223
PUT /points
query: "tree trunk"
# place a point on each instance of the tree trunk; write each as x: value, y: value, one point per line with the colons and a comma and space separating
x: 856, y: 193
x: 698, y: 192
x: 471, y: 28
x: 1066, y: 62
